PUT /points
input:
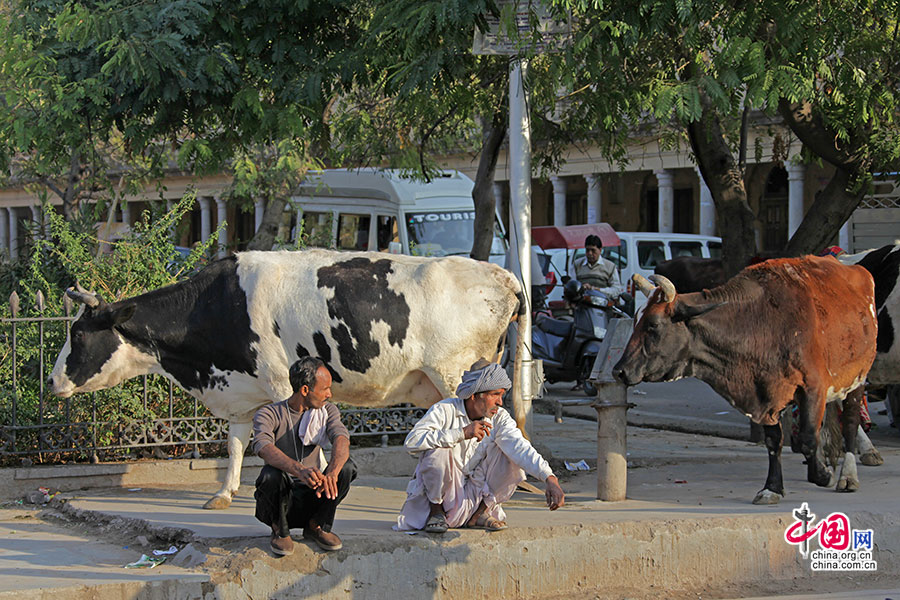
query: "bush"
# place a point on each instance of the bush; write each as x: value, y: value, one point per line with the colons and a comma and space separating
x: 146, y: 259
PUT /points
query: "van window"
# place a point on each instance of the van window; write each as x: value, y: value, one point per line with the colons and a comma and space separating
x: 445, y: 233
x: 317, y: 229
x: 715, y: 249
x: 685, y: 249
x: 650, y: 254
x: 386, y: 232
x: 617, y: 255
x: 353, y: 232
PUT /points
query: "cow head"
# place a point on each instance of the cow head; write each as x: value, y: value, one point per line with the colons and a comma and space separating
x: 660, y: 346
x: 96, y: 356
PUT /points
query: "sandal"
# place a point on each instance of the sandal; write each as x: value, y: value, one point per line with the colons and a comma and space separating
x: 436, y: 524
x: 488, y: 523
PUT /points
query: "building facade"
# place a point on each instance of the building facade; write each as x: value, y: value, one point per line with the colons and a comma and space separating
x: 659, y: 189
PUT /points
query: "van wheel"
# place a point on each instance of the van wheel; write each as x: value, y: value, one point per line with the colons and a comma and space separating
x: 587, y: 364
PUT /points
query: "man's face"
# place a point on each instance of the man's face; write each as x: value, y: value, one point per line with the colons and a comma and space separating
x: 321, y: 390
x: 485, y: 404
x: 592, y: 253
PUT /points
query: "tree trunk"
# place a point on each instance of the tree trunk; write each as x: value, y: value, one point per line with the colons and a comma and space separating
x: 264, y: 238
x: 831, y: 209
x: 483, y: 192
x: 726, y: 183
x: 837, y: 201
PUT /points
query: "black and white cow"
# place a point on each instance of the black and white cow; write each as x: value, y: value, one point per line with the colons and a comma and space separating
x: 884, y: 265
x: 390, y: 328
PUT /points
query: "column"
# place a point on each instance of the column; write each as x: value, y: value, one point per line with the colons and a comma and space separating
x: 594, y: 212
x: 170, y: 204
x: 666, y: 200
x: 258, y: 206
x: 48, y: 230
x: 796, y: 175
x: 223, y: 233
x: 36, y: 218
x: 707, y: 207
x: 126, y: 214
x: 4, y: 231
x: 205, y: 216
x: 298, y: 228
x: 559, y: 200
x: 498, y: 194
x: 13, y: 234
x: 844, y: 240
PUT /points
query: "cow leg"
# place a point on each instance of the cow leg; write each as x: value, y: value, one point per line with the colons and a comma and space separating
x: 774, y: 488
x: 868, y: 453
x: 848, y: 480
x: 810, y: 420
x: 238, y: 436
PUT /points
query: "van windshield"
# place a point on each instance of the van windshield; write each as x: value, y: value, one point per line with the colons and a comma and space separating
x: 446, y: 233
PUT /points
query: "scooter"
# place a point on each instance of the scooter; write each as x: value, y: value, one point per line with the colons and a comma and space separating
x: 568, y: 348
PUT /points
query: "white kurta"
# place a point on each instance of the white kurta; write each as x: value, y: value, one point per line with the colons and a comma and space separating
x: 468, y: 478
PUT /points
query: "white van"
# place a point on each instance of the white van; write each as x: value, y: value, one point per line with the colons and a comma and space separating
x: 369, y: 209
x: 637, y: 252
x: 641, y: 251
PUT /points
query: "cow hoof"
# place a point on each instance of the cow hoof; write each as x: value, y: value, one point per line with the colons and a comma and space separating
x: 872, y: 459
x: 847, y: 484
x: 217, y: 503
x: 832, y: 479
x: 767, y: 497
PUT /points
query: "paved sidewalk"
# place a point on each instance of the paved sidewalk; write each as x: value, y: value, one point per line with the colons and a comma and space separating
x: 688, y: 503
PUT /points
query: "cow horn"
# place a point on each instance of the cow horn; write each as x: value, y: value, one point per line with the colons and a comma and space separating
x: 79, y: 294
x: 667, y: 287
x: 641, y: 283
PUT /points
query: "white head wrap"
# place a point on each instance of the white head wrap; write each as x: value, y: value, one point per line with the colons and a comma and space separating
x: 491, y: 377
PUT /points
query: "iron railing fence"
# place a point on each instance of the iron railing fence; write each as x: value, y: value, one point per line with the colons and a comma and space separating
x: 148, y: 413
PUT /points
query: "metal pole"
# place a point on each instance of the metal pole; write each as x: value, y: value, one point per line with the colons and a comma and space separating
x: 612, y: 406
x: 520, y: 210
x: 14, y: 312
x: 612, y: 477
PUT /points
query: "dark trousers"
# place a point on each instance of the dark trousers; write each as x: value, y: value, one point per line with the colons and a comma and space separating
x: 285, y: 504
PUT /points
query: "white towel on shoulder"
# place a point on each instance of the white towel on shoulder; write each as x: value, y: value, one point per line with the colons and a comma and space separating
x: 312, y: 427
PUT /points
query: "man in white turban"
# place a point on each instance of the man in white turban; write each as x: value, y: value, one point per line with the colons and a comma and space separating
x: 471, y: 458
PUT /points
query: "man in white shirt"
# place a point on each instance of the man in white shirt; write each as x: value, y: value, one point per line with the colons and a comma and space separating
x: 471, y: 458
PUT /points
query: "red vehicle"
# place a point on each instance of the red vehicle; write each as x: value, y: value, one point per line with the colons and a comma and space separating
x: 559, y: 245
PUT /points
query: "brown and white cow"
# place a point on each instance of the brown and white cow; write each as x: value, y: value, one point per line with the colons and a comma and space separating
x: 785, y: 330
x: 391, y: 329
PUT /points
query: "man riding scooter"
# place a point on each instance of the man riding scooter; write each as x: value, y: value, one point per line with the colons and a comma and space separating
x: 568, y: 348
x: 597, y: 273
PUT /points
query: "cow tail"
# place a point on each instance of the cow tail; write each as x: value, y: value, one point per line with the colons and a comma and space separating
x: 518, y: 402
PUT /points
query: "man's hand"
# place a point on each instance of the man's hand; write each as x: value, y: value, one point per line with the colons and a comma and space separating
x: 310, y: 477
x: 477, y: 429
x: 554, y: 493
x: 329, y: 485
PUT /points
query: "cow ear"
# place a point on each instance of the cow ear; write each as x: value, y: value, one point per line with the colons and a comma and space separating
x: 115, y: 315
x: 684, y: 311
x: 123, y: 313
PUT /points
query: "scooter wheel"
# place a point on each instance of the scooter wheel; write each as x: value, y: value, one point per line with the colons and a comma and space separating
x: 587, y: 365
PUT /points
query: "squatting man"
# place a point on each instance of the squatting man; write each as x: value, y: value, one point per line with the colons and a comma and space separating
x: 296, y: 487
x: 471, y: 456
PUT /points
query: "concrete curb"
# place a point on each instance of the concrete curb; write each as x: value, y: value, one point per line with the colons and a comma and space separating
x: 673, y: 557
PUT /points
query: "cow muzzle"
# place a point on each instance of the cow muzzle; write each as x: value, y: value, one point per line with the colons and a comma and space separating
x: 61, y: 386
x: 621, y: 374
